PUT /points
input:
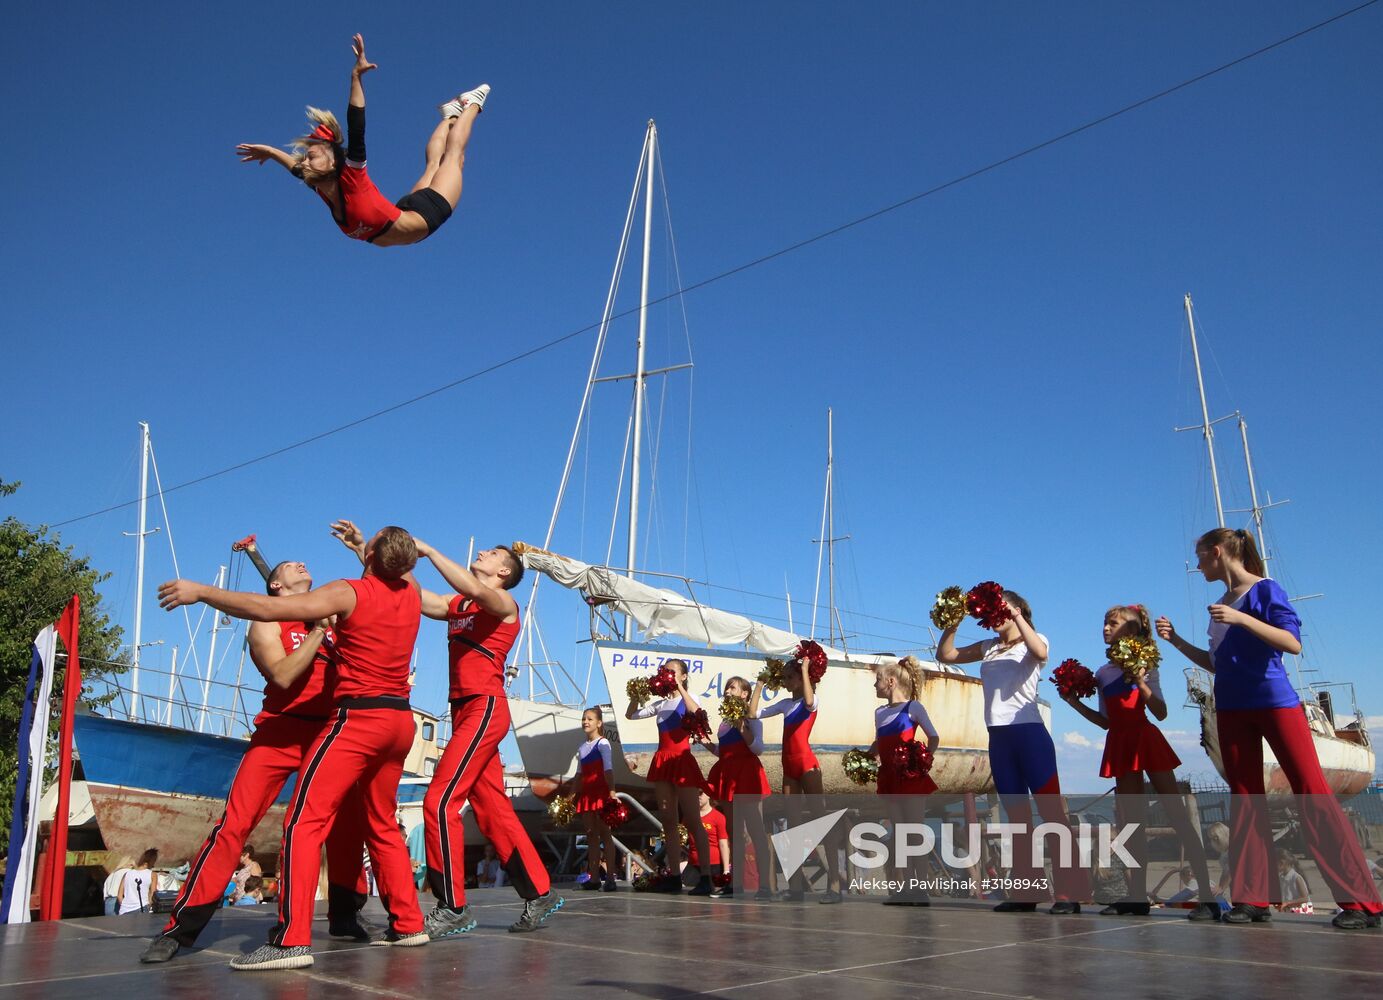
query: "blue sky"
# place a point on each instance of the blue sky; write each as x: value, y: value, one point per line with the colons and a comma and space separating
x: 1005, y: 360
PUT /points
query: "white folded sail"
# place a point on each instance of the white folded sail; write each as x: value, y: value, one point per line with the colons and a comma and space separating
x: 660, y: 612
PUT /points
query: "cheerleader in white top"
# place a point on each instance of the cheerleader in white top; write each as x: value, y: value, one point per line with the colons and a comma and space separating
x: 899, y: 724
x: 801, y: 769
x: 595, y: 779
x: 677, y: 779
x: 1022, y: 755
x: 738, y: 771
x: 1133, y: 746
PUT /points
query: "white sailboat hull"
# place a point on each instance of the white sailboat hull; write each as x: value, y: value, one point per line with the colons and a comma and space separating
x: 1347, y: 761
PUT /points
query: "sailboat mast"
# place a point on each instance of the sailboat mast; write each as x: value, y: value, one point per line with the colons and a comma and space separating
x: 139, y: 566
x: 830, y: 527
x: 639, y: 368
x: 1255, y: 510
x: 1206, y: 429
x: 211, y: 654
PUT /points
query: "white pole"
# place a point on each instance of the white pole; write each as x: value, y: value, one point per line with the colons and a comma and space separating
x: 1206, y: 429
x: 1253, y: 489
x: 639, y: 369
x: 211, y: 655
x: 172, y: 688
x: 139, y: 566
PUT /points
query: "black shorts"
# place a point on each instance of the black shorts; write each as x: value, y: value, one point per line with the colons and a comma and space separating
x: 429, y: 204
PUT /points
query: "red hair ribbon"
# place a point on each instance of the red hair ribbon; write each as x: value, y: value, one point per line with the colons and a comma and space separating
x: 325, y: 133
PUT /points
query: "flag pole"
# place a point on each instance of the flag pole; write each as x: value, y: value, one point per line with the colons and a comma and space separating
x: 50, y: 906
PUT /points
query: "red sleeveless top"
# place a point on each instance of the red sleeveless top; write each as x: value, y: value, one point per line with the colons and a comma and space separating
x: 314, y: 692
x: 477, y: 644
x: 374, y: 644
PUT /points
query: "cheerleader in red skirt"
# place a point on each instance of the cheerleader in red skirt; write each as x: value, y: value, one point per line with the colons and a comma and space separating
x: 897, y: 724
x: 594, y: 781
x: 801, y: 769
x: 677, y: 779
x: 739, y: 771
x: 1133, y: 746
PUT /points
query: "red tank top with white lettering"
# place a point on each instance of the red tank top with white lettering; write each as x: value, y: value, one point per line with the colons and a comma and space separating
x: 314, y: 691
x: 477, y: 644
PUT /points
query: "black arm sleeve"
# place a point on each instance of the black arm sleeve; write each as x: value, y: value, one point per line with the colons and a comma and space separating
x: 355, y: 134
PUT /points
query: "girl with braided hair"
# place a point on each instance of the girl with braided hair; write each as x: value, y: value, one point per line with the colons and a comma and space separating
x: 334, y: 166
x: 1134, y: 745
x: 898, y: 723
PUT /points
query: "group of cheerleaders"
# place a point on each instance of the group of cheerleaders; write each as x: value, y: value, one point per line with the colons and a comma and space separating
x: 1251, y: 626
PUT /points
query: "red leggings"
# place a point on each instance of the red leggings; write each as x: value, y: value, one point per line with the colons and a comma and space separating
x: 363, y: 747
x: 470, y: 770
x: 1328, y: 835
x: 277, y: 749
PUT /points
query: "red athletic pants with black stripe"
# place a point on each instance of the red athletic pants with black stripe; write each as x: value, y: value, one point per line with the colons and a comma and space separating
x: 1328, y: 834
x: 277, y: 750
x: 470, y: 770
x: 364, y: 748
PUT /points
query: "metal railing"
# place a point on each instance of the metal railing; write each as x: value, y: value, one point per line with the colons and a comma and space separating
x: 178, y: 701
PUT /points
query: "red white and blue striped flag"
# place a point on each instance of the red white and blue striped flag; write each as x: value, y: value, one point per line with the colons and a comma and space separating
x: 33, y: 744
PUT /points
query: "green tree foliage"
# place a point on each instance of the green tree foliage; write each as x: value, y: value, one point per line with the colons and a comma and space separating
x: 38, y: 576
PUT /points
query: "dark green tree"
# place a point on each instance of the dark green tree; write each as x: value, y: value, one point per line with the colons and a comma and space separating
x: 38, y: 576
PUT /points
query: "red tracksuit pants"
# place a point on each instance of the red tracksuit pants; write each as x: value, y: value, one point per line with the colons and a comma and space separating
x: 365, y: 746
x: 277, y: 750
x: 1328, y: 834
x: 470, y: 770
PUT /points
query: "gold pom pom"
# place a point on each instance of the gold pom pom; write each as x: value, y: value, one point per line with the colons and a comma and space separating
x: 683, y: 834
x: 949, y: 609
x: 773, y: 674
x: 638, y: 691
x: 562, y: 810
x: 733, y: 708
x: 860, y: 767
x: 1136, y: 655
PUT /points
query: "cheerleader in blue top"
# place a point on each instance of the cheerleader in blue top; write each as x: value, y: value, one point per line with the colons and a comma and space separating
x: 1134, y: 745
x: 900, y: 721
x: 595, y: 781
x: 738, y: 771
x: 1251, y: 626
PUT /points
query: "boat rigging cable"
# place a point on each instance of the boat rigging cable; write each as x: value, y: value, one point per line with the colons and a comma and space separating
x: 756, y: 262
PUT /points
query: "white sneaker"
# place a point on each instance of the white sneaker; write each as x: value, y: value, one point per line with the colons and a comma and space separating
x: 476, y: 97
x: 451, y: 109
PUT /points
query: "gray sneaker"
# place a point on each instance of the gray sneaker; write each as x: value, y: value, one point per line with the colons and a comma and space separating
x: 535, y: 911
x: 272, y: 956
x: 442, y: 921
x: 393, y: 939
x: 358, y: 929
x: 160, y: 949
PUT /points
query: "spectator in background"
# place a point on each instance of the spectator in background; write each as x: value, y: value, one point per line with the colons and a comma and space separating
x: 252, y: 892
x: 1296, y: 894
x: 489, y: 873
x: 137, y: 887
x: 111, y: 890
x: 247, y: 868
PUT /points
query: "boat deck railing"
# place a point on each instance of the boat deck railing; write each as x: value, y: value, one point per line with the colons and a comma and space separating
x: 162, y: 698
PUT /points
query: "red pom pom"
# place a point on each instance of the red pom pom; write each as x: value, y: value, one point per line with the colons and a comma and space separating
x: 615, y: 813
x: 1072, y: 677
x: 985, y: 602
x: 663, y: 683
x: 722, y: 880
x: 811, y: 651
x: 912, y: 759
x: 697, y: 726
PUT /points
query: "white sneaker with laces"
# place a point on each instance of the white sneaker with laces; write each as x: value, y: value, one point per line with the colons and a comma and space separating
x: 476, y: 97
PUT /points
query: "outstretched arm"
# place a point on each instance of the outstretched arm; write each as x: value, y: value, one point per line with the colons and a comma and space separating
x: 1200, y: 657
x: 355, y: 109
x: 346, y: 532
x: 1089, y: 714
x: 496, y: 600
x: 948, y: 652
x: 361, y: 67
x: 255, y: 153
x: 336, y: 598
